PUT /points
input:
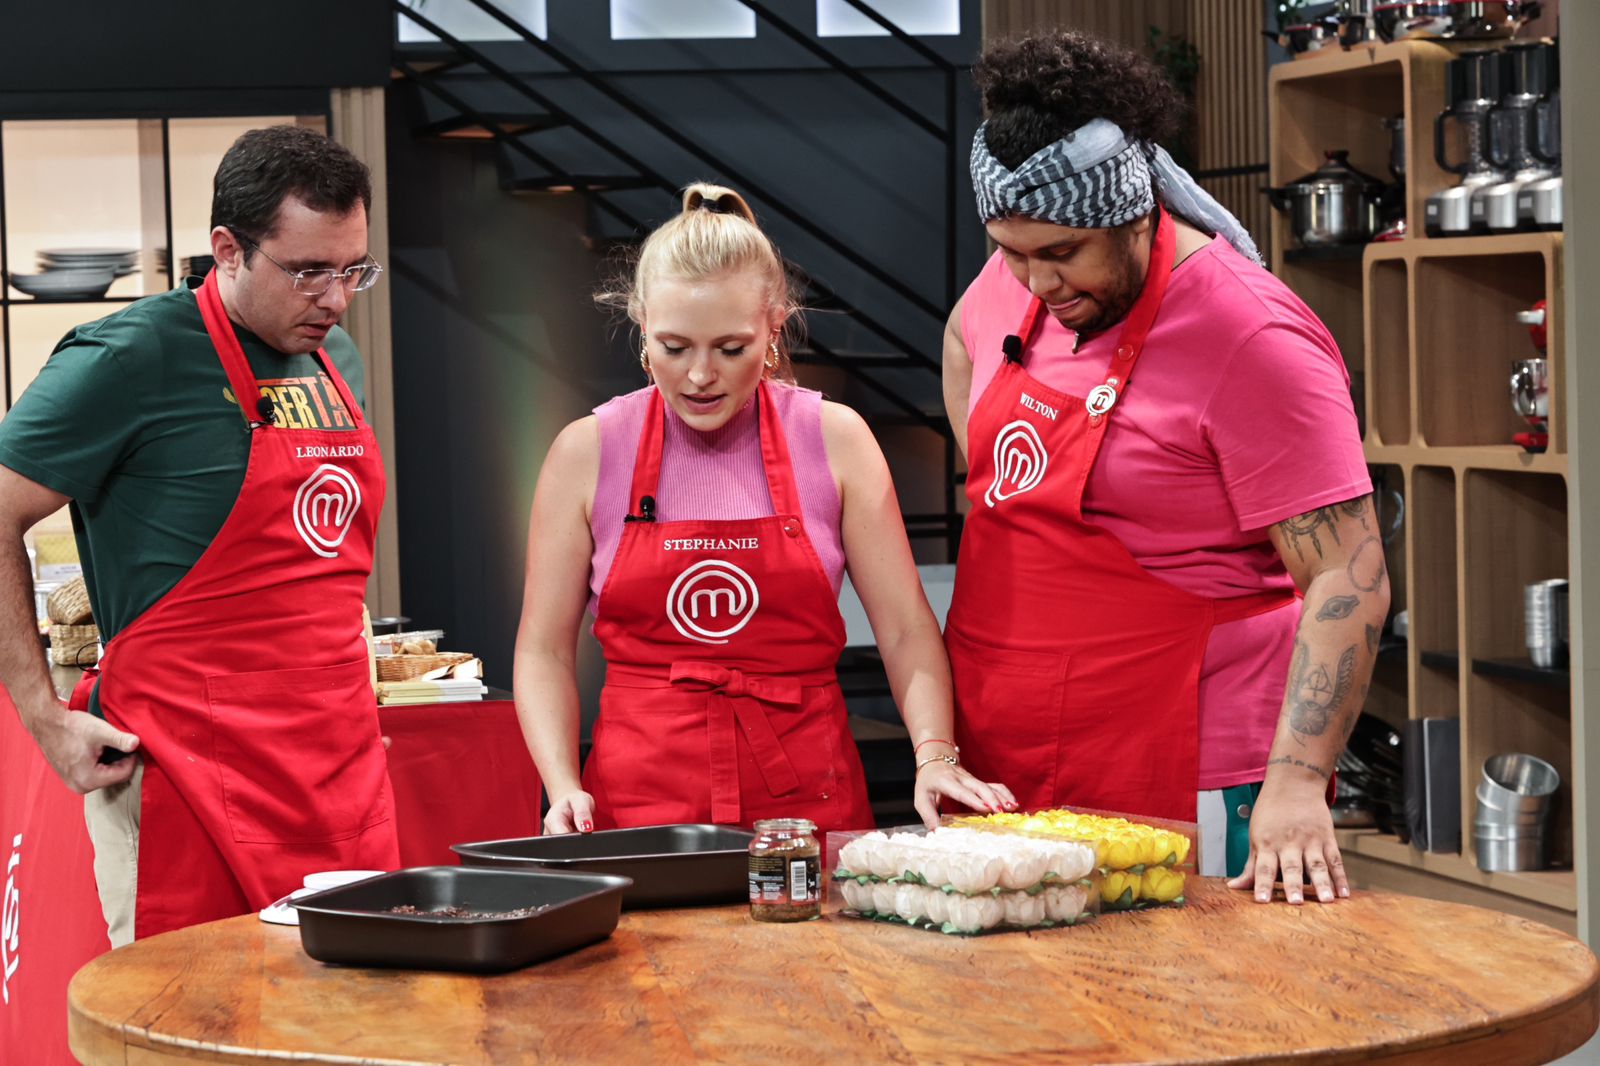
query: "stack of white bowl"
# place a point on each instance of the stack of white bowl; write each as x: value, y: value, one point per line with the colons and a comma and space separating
x: 1514, y: 800
x: 77, y: 273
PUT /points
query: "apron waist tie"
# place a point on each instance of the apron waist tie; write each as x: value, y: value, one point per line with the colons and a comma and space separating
x: 736, y: 701
x: 1238, y: 608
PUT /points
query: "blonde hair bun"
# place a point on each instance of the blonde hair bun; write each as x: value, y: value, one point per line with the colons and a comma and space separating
x: 716, y: 232
x: 716, y: 199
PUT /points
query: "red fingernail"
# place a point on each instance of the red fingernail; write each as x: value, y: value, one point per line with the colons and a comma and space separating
x: 585, y: 826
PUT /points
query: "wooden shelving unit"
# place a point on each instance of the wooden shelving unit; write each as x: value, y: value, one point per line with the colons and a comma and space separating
x: 1429, y: 332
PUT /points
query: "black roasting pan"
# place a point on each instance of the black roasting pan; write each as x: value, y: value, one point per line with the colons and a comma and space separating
x: 351, y: 924
x: 670, y: 865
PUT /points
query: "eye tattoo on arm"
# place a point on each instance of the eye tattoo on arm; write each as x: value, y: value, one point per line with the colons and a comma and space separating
x: 1338, y: 607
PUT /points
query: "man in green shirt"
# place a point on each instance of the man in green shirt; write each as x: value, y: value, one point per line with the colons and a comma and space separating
x: 136, y: 423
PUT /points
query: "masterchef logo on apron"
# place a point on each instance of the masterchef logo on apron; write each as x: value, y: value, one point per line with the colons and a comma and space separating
x: 711, y: 601
x: 1019, y: 462
x: 324, y: 506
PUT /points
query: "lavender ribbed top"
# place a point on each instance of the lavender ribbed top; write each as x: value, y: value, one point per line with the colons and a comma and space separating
x: 716, y: 475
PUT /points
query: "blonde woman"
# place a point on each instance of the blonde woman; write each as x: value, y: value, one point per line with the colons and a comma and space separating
x: 706, y: 521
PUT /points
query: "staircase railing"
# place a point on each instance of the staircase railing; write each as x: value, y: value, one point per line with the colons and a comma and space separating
x: 910, y: 355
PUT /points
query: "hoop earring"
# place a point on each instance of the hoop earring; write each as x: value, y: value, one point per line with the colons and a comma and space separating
x: 644, y: 358
x: 776, y: 360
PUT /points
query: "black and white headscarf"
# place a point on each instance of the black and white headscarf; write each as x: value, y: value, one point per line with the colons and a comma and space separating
x: 1094, y: 178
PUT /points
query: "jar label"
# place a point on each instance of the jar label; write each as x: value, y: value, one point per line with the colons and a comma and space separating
x: 779, y: 879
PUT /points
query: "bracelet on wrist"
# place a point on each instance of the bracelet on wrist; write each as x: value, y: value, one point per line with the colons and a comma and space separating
x: 951, y: 759
x: 936, y: 740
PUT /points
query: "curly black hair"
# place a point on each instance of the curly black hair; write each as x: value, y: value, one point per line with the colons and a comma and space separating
x: 1039, y: 87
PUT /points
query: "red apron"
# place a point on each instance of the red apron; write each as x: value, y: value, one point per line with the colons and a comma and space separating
x: 248, y: 684
x: 721, y: 639
x: 1076, y: 671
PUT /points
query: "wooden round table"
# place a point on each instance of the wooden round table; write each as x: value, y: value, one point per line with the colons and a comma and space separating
x: 1377, y: 977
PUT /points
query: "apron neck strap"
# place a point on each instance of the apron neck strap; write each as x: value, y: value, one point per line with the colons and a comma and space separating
x: 1139, y: 318
x: 226, y: 343
x: 774, y: 457
x: 240, y: 376
x: 1163, y: 250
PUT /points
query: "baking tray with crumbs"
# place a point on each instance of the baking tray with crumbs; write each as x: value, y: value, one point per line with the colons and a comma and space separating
x: 459, y: 918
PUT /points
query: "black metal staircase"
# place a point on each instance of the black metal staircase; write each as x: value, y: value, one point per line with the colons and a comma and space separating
x: 553, y: 142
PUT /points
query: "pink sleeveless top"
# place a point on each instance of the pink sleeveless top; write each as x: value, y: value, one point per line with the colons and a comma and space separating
x: 714, y: 475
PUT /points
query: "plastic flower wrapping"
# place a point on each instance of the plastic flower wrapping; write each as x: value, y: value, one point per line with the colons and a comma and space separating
x: 1142, y: 863
x: 963, y: 881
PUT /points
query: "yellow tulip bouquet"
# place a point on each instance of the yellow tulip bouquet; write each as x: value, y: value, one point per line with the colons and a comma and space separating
x: 1142, y: 864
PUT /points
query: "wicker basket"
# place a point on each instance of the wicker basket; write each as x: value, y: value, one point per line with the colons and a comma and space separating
x: 69, y: 604
x: 406, y: 667
x: 75, y: 645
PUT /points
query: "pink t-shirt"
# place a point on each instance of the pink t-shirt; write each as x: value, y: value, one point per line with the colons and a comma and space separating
x: 1238, y: 416
x: 716, y: 475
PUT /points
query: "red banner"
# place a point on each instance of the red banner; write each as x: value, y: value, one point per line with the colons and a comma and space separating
x: 461, y: 772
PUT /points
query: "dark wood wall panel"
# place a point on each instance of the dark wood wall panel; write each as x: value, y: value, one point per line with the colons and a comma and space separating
x: 1125, y: 21
x: 1231, y: 104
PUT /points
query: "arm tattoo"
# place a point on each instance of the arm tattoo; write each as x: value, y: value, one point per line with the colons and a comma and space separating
x: 1312, y: 524
x: 1373, y: 633
x: 1314, y: 695
x: 1307, y: 527
x: 1337, y: 607
x: 1357, y: 509
x: 1286, y: 760
x: 1366, y: 569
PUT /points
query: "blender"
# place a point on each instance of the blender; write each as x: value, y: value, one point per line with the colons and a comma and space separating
x: 1530, y: 70
x: 1472, y: 88
x: 1539, y: 202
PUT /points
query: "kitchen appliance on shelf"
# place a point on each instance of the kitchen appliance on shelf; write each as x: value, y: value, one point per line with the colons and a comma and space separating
x: 1472, y: 89
x: 1393, y: 207
x: 1482, y: 20
x: 1460, y: 20
x: 1334, y: 204
x: 1530, y: 384
x: 1530, y: 72
x: 1357, y: 25
x: 1305, y: 37
x: 1539, y: 202
x: 1397, y: 21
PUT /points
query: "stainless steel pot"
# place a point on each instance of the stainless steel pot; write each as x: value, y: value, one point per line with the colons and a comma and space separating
x: 1335, y: 204
x: 1489, y: 19
x: 1431, y: 18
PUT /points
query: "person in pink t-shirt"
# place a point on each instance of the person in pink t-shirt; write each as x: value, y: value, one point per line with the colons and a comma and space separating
x: 705, y: 520
x: 1163, y: 458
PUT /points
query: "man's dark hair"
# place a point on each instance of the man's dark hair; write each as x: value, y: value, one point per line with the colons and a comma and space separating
x: 266, y: 165
x: 1039, y: 87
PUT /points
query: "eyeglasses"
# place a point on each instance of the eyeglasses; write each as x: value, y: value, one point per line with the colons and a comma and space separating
x: 358, y: 278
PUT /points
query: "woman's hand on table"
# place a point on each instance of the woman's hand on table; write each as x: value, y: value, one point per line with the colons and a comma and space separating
x: 1291, y: 832
x: 938, y: 779
x: 572, y: 813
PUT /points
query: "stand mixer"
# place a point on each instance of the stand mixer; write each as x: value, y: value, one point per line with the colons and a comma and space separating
x: 1472, y: 88
x: 1530, y: 383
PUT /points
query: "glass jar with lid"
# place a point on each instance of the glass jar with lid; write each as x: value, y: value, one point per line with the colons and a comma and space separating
x: 785, y: 871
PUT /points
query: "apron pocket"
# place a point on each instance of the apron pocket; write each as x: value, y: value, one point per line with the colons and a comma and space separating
x: 1009, y: 710
x: 299, y: 753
